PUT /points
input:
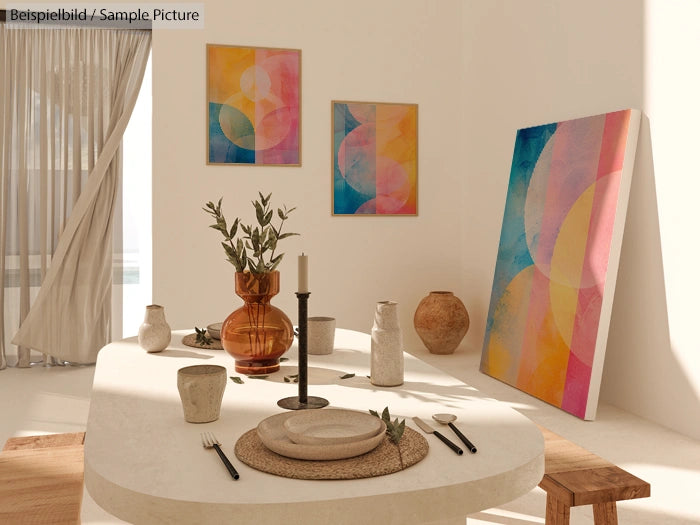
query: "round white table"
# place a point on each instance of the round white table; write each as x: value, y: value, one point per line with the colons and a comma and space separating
x: 145, y: 464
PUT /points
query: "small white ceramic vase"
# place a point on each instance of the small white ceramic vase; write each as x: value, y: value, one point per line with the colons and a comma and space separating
x: 387, y: 346
x: 154, y: 333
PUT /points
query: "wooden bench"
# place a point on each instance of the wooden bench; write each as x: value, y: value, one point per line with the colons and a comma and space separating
x: 574, y: 476
x: 41, y: 479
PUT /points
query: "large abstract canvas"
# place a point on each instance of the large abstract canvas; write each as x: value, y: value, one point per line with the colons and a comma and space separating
x: 375, y: 158
x: 253, y: 99
x: 557, y: 261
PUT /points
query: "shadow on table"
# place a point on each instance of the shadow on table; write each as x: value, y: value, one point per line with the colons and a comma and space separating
x: 424, y: 391
x: 182, y: 353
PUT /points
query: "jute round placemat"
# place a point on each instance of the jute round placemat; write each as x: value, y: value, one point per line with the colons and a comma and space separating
x: 385, y: 459
x: 191, y: 340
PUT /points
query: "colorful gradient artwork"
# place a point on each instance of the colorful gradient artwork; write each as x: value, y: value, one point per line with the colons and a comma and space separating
x: 253, y: 103
x: 375, y: 158
x: 555, y: 274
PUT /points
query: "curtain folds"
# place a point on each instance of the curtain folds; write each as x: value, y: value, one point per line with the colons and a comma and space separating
x: 66, y: 97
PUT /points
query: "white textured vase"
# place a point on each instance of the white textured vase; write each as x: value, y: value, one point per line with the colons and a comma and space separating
x: 387, y: 346
x: 154, y: 333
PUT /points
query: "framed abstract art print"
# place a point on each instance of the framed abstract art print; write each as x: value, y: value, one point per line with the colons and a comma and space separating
x: 375, y: 158
x: 253, y: 104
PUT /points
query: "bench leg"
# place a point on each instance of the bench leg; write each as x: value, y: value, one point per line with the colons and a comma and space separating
x: 557, y: 512
x: 605, y: 513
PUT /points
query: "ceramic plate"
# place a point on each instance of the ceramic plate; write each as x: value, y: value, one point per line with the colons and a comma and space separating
x: 331, y: 426
x: 215, y: 330
x: 274, y: 436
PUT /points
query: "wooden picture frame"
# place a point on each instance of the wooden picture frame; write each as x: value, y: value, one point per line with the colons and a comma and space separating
x: 253, y: 106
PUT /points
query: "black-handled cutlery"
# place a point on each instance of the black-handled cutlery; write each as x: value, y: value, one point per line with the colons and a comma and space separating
x: 430, y: 430
x: 209, y: 441
x: 447, y: 419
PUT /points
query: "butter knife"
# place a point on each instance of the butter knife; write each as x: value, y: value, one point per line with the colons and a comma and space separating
x: 430, y: 430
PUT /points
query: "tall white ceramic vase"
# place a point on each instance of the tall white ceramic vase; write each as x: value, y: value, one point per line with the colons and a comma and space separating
x: 387, y: 346
x: 154, y: 333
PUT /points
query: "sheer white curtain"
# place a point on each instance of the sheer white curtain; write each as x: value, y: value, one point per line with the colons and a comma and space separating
x: 66, y: 95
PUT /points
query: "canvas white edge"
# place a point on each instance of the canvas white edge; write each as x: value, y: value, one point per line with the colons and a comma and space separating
x: 613, y: 264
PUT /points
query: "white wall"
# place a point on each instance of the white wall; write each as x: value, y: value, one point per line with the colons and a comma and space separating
x: 654, y: 364
x: 392, y: 51
x: 479, y: 71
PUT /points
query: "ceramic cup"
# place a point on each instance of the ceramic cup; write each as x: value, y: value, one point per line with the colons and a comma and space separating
x: 201, y: 390
x: 320, y: 333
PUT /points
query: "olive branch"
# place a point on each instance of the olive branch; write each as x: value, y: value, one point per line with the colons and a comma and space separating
x: 252, y: 247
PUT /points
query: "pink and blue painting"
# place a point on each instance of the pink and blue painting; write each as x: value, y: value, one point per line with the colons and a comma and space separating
x: 375, y: 158
x: 253, y: 99
x: 548, y: 318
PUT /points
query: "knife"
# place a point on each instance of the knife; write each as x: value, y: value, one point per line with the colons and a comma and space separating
x: 430, y: 430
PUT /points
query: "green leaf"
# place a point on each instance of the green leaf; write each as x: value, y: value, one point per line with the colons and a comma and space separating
x: 259, y: 213
x: 385, y: 415
x: 347, y: 376
x: 275, y: 261
x: 202, y: 337
x: 294, y: 378
x: 234, y: 229
x: 267, y: 218
x: 285, y: 235
x: 255, y: 238
x: 237, y: 380
x: 397, y: 430
x: 394, y: 429
x: 258, y: 377
x: 283, y: 359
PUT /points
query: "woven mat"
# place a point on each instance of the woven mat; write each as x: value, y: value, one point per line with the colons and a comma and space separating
x: 384, y: 459
x: 191, y: 340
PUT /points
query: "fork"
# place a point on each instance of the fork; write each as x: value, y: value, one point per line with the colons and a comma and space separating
x: 208, y: 441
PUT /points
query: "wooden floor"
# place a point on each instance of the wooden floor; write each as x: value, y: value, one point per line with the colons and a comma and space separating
x: 41, y: 479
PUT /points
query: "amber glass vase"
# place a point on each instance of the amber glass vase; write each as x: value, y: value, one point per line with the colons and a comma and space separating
x: 257, y: 334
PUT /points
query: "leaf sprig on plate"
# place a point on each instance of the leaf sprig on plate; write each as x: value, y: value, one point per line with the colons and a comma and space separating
x: 394, y: 429
x: 202, y: 336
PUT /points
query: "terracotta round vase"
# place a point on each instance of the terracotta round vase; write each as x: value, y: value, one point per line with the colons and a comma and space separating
x: 441, y: 321
x: 257, y: 334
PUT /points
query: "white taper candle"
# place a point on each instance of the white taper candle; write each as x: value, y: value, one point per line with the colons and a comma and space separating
x: 303, y: 273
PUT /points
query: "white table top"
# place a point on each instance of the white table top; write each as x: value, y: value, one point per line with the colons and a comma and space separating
x: 145, y: 464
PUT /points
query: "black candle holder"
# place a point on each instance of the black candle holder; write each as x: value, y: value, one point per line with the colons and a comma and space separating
x: 303, y: 401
